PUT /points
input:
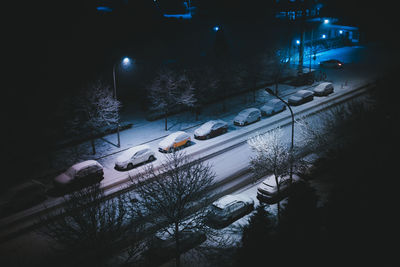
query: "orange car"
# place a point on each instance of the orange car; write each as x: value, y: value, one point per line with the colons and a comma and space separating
x: 174, y: 141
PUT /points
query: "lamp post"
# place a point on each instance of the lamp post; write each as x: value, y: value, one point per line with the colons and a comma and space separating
x: 125, y: 63
x: 269, y: 91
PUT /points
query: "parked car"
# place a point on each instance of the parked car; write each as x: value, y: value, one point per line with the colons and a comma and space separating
x: 80, y: 175
x: 22, y: 197
x: 301, y: 97
x: 247, y: 116
x: 134, y: 156
x: 228, y: 209
x: 174, y: 141
x: 267, y: 191
x: 272, y: 107
x: 211, y: 129
x: 331, y: 63
x: 322, y: 89
x: 161, y: 248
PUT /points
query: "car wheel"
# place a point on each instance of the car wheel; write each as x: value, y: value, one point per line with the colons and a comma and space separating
x: 151, y: 158
x: 130, y: 166
x: 208, y: 136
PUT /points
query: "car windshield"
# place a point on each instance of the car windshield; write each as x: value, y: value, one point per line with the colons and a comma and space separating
x: 215, y: 210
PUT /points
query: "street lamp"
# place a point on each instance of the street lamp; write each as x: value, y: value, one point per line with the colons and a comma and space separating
x: 126, y: 62
x: 269, y: 91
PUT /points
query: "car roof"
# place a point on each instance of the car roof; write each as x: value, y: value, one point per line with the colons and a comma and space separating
x: 84, y: 164
x: 174, y: 135
x: 303, y: 92
x: 323, y: 85
x: 248, y: 110
x: 227, y: 200
x: 273, y: 101
x: 135, y: 149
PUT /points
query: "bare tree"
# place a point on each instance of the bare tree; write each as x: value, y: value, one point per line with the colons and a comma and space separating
x: 170, y: 89
x: 89, y: 228
x: 173, y: 192
x: 94, y: 109
x: 206, y: 83
x: 272, y: 156
x: 275, y: 62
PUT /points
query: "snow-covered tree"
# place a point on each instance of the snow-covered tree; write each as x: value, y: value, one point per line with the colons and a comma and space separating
x: 272, y: 156
x: 172, y: 192
x: 206, y: 83
x: 94, y: 109
x: 170, y: 89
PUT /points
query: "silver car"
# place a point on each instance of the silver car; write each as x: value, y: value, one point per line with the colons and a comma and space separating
x: 323, y: 89
x: 272, y: 107
x: 134, y: 156
x: 247, y: 116
x: 267, y: 191
x: 228, y: 209
x: 301, y: 97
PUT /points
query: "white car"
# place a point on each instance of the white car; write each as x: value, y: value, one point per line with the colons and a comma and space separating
x: 247, y: 116
x: 301, y: 97
x: 211, y: 129
x: 228, y: 209
x: 79, y: 175
x: 267, y: 191
x: 272, y: 107
x: 174, y: 141
x: 134, y: 156
x: 322, y: 89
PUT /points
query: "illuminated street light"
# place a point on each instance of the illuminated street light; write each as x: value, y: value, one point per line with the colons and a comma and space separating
x: 326, y: 21
x: 297, y: 41
x: 269, y: 91
x: 126, y: 63
x: 216, y: 28
x: 323, y: 36
x: 340, y: 32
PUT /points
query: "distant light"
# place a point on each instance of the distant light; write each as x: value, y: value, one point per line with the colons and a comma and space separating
x: 297, y: 41
x: 216, y: 28
x: 104, y: 9
x: 340, y: 32
x: 323, y: 36
x: 126, y: 61
x: 326, y: 21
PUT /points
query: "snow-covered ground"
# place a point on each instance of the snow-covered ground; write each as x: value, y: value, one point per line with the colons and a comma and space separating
x: 224, y: 164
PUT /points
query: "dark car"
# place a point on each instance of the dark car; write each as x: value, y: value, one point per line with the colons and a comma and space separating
x: 228, y: 209
x: 331, y: 63
x: 22, y: 197
x: 163, y: 249
x: 211, y: 129
x: 301, y: 97
x: 79, y: 175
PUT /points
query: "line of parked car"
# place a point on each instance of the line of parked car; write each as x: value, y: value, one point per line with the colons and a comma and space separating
x: 89, y: 172
x: 142, y: 154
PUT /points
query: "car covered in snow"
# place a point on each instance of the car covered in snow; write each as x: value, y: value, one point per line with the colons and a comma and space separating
x: 272, y: 107
x: 301, y: 97
x: 323, y: 89
x: 174, y: 141
x: 80, y: 175
x: 211, y: 129
x: 228, y: 209
x: 134, y: 156
x: 162, y: 247
x: 247, y: 116
x: 267, y: 191
x: 331, y: 63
